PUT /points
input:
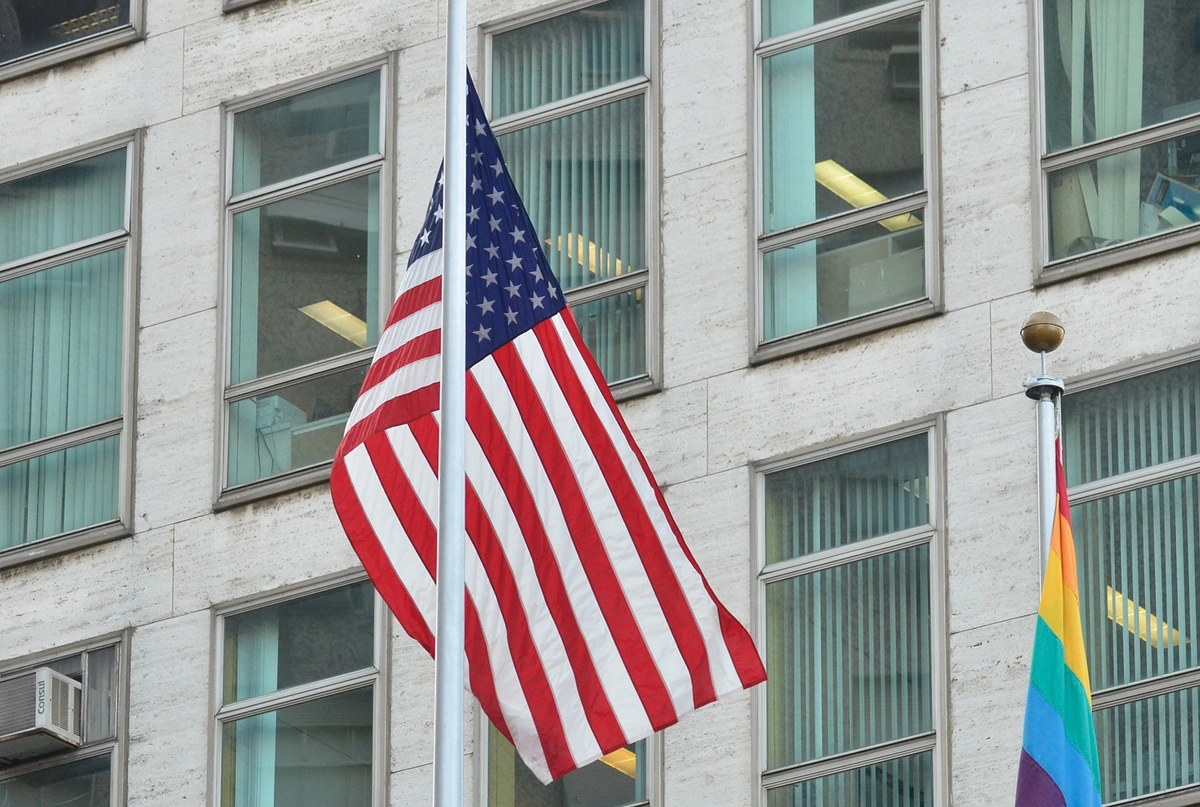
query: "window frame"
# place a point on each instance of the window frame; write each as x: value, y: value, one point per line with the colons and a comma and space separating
x: 378, y: 678
x: 125, y: 425
x: 646, y: 87
x: 762, y: 350
x: 133, y: 31
x: 118, y: 746
x: 932, y: 535
x: 226, y: 496
x: 1046, y: 271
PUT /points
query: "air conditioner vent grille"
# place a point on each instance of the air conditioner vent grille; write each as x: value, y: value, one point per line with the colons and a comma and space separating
x: 17, y: 703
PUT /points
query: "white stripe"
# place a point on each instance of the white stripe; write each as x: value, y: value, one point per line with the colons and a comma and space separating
x: 409, y: 378
x: 390, y: 533
x: 426, y: 267
x: 509, y: 692
x: 704, y: 610
x: 401, y: 333
x: 622, y: 553
x: 601, y: 646
x: 550, y: 649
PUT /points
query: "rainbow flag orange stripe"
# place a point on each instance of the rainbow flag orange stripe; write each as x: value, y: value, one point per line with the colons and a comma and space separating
x: 1059, y: 764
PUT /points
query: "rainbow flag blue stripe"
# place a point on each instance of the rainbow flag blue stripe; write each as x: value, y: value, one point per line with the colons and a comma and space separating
x: 1059, y: 763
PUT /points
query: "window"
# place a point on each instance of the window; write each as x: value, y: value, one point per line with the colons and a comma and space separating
x: 847, y: 240
x: 305, y: 283
x: 574, y: 112
x: 1121, y: 133
x: 1133, y: 467
x: 848, y: 597
x: 300, y: 720
x: 35, y: 34
x: 89, y: 776
x: 66, y: 336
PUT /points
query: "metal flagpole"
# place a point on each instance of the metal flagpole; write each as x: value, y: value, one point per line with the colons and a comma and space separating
x: 1043, y: 333
x: 448, y: 686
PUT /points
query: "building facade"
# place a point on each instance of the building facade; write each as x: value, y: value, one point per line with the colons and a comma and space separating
x: 800, y: 237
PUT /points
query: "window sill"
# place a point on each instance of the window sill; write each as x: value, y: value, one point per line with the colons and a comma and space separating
x: 1128, y: 252
x: 274, y: 486
x: 632, y: 388
x: 62, y: 544
x: 842, y: 331
x: 43, y: 60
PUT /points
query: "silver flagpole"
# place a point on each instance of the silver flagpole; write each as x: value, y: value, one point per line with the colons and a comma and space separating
x: 1043, y: 333
x: 448, y: 686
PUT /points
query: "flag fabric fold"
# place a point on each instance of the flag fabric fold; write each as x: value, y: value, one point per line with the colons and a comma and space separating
x: 589, y: 624
x: 1059, y: 764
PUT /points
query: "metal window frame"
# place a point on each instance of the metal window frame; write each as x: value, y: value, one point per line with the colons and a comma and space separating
x: 932, y: 535
x: 646, y: 87
x: 382, y: 164
x: 378, y: 677
x: 931, y: 304
x: 128, y: 239
x: 133, y: 31
x: 118, y: 746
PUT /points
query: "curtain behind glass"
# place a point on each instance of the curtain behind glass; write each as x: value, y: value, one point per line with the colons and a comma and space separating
x: 904, y: 782
x: 1149, y: 745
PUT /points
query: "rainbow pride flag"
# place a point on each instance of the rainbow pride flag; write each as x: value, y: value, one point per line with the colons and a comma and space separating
x: 1059, y: 765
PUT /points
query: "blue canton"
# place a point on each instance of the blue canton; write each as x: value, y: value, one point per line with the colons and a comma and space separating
x: 510, y: 287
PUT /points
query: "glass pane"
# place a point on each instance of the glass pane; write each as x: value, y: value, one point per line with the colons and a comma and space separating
x: 299, y: 641
x: 844, y: 275
x: 1149, y: 745
x: 60, y: 207
x: 906, y: 782
x: 101, y: 695
x: 611, y: 781
x: 784, y: 16
x: 842, y: 124
x: 1139, y: 559
x: 614, y: 330
x: 86, y: 783
x: 1133, y: 424
x: 848, y: 498
x: 29, y: 26
x: 306, y: 133
x: 59, y: 492
x: 61, y: 348
x: 566, y: 55
x: 848, y: 657
x: 315, y: 754
x: 1112, y: 68
x: 1129, y: 195
x: 582, y: 179
x: 305, y: 278
x: 291, y: 427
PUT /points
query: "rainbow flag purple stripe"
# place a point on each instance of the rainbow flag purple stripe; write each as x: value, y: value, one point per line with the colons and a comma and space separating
x: 1059, y: 764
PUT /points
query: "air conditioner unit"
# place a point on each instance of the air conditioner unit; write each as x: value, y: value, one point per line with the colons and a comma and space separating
x: 40, y: 713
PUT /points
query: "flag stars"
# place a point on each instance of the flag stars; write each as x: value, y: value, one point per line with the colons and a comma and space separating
x: 498, y: 167
x: 480, y: 128
x: 536, y: 300
x: 514, y: 263
x: 488, y: 306
x: 511, y: 316
x: 490, y: 278
x: 483, y: 333
x: 513, y: 289
x: 470, y: 242
x: 437, y: 214
x: 493, y: 251
x: 537, y: 274
x: 473, y: 214
x: 494, y: 223
x: 476, y: 184
x: 477, y: 156
x: 497, y: 196
x: 425, y: 236
x: 518, y: 235
x: 553, y: 291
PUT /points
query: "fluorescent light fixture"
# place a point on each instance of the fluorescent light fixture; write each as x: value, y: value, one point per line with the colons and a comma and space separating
x: 622, y: 760
x: 338, y: 320
x: 586, y: 253
x: 1140, y: 622
x: 849, y: 187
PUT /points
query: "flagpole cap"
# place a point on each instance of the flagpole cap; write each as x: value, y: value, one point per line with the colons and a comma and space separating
x: 1042, y: 332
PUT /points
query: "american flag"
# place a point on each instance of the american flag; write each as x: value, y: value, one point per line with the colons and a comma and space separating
x: 588, y: 623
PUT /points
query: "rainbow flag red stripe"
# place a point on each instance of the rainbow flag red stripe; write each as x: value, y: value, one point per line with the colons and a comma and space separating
x: 1059, y: 764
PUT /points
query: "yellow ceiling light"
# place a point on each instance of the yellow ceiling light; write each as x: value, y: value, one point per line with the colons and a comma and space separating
x: 586, y: 253
x: 857, y: 193
x: 1140, y: 622
x: 338, y: 320
x: 622, y: 760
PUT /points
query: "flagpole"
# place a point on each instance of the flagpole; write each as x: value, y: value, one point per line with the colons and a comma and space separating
x: 448, y: 676
x: 1043, y: 333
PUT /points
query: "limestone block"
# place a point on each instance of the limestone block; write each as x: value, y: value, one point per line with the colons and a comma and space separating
x: 982, y: 43
x: 707, y: 757
x: 181, y: 174
x: 705, y: 274
x: 671, y: 428
x: 168, y: 15
x: 986, y: 176
x: 176, y: 429
x: 412, y: 702
x: 170, y: 703
x: 83, y: 595
x: 413, y: 787
x: 421, y: 108
x: 992, y: 517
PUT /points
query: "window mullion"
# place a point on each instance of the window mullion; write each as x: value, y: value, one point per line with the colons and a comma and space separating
x: 843, y: 221
x: 852, y: 760
x: 60, y: 442
x: 304, y: 693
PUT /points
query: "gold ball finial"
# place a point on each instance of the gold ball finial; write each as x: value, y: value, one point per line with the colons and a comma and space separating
x: 1042, y: 332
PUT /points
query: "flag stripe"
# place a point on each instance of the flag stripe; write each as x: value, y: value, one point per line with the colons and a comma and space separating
x: 1060, y: 760
x: 1035, y: 786
x: 1064, y: 693
x: 415, y: 298
x: 422, y: 346
x: 397, y: 411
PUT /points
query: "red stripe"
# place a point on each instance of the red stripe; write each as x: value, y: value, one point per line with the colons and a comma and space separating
x: 639, y: 662
x: 413, y: 300
x: 395, y: 412
x: 646, y: 539
x: 488, y: 432
x: 419, y: 528
x: 745, y: 656
x: 419, y: 347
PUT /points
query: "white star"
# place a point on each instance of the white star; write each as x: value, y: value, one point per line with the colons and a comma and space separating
x: 477, y: 156
x: 514, y: 262
x: 553, y: 291
x: 470, y: 242
x: 518, y: 235
x: 497, y: 196
x: 486, y: 307
x: 425, y: 236
x: 498, y: 168
x: 437, y: 214
x: 536, y: 299
x: 441, y: 180
x: 490, y: 278
x: 493, y: 251
x: 537, y: 273
x: 494, y: 223
x: 513, y: 289
x: 473, y: 214
x: 511, y: 316
x: 480, y: 127
x: 476, y: 184
x: 482, y: 333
